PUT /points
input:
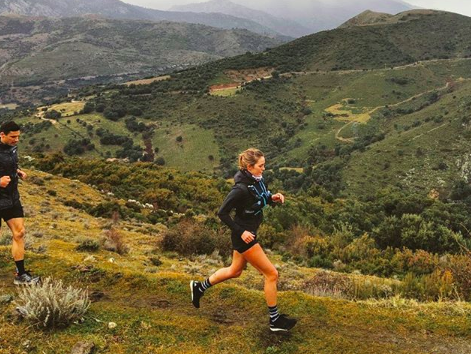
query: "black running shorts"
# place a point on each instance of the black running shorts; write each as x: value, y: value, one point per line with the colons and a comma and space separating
x: 11, y: 213
x: 239, y: 245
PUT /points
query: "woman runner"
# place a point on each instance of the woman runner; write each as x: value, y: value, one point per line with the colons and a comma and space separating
x: 248, y: 197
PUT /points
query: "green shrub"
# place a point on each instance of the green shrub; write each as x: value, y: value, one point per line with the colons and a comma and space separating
x: 269, y: 237
x: 460, y: 267
x: 88, y: 245
x: 51, y: 192
x: 155, y: 261
x: 190, y: 238
x: 5, y: 240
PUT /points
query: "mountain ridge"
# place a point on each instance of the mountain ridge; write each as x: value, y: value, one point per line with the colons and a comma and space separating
x: 319, y: 15
x: 280, y: 25
x: 370, y: 18
x: 46, y: 49
x: 117, y: 9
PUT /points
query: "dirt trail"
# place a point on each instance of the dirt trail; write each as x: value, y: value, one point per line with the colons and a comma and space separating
x: 267, y: 75
x: 400, y: 67
x: 431, y: 130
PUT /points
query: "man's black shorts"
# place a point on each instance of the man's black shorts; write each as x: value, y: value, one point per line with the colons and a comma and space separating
x: 11, y: 213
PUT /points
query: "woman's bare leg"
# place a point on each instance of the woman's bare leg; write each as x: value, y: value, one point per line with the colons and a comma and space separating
x: 233, y: 271
x: 259, y: 260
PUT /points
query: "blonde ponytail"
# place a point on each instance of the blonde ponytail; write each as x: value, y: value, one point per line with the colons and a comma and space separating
x: 249, y: 157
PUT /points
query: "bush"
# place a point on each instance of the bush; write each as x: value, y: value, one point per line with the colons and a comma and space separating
x: 460, y: 266
x: 329, y: 284
x: 134, y: 126
x: 36, y: 180
x: 269, y: 237
x: 113, y: 241
x: 160, y: 161
x: 53, y: 114
x: 5, y: 240
x: 78, y: 147
x: 51, y: 192
x: 88, y: 108
x: 88, y: 245
x: 51, y: 304
x: 190, y: 238
x: 155, y: 261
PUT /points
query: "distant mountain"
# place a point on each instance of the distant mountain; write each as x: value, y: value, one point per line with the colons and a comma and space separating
x: 119, y: 10
x: 280, y: 25
x: 368, y: 18
x: 318, y: 15
x: 411, y: 36
x: 35, y: 50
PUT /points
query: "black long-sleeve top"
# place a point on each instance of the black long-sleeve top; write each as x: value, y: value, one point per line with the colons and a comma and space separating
x: 9, y: 195
x: 247, y: 197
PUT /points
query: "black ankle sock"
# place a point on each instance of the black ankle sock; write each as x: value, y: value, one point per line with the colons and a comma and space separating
x: 274, y: 314
x: 20, y: 267
x: 205, y: 285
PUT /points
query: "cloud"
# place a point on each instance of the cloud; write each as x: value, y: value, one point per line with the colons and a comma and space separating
x: 458, y: 6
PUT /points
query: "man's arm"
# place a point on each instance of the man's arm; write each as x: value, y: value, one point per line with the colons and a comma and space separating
x: 21, y: 174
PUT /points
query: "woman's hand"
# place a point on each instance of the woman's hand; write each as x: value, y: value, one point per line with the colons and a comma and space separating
x: 278, y: 198
x: 247, y: 237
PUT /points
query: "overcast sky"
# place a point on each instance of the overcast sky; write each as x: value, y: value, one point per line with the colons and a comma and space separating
x: 459, y: 6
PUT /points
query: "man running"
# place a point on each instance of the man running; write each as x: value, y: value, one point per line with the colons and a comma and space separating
x: 11, y: 210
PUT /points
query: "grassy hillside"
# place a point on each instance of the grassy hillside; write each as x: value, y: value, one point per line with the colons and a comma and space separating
x: 428, y: 148
x: 319, y: 120
x: 411, y: 37
x: 285, y: 116
x: 149, y: 300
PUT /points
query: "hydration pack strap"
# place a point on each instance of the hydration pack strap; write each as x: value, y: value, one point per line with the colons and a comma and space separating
x: 262, y: 197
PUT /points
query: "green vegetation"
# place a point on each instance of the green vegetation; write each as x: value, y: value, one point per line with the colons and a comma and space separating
x: 145, y: 292
x: 165, y: 190
x: 370, y: 146
x: 389, y: 234
x: 292, y: 120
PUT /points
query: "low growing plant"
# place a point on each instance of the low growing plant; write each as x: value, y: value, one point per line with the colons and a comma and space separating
x: 51, y: 304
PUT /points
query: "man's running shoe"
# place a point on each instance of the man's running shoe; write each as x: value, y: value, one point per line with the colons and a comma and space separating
x: 283, y: 323
x: 26, y: 279
x: 196, y: 293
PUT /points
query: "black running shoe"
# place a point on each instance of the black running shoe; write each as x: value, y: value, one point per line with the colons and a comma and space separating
x: 196, y: 293
x: 26, y: 279
x: 283, y: 323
